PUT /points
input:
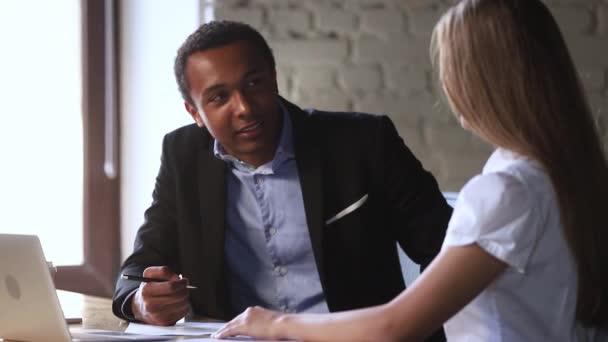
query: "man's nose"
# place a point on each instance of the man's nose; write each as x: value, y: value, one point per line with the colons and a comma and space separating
x: 241, y: 104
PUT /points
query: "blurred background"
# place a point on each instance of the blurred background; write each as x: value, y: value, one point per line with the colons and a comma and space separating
x: 87, y: 93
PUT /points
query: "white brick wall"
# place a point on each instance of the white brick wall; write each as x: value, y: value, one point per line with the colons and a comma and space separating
x: 602, y: 20
x: 381, y: 22
x: 289, y: 21
x: 328, y: 19
x: 372, y: 55
x: 361, y: 77
x: 573, y: 19
x: 311, y: 52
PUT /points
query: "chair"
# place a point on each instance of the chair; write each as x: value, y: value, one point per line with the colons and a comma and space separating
x: 410, y: 269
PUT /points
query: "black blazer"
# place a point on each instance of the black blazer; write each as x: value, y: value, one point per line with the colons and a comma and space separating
x: 340, y: 158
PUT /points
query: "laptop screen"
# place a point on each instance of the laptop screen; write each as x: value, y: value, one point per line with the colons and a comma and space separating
x: 30, y: 308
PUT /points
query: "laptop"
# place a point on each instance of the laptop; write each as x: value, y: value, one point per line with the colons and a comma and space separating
x: 29, y: 307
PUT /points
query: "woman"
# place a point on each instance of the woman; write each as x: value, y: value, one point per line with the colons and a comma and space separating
x: 524, y: 256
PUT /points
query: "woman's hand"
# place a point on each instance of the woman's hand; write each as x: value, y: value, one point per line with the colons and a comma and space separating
x: 256, y: 322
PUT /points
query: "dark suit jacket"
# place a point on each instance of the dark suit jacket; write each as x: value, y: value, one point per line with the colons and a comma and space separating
x: 340, y: 158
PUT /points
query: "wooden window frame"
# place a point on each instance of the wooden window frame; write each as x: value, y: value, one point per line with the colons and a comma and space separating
x: 101, y: 192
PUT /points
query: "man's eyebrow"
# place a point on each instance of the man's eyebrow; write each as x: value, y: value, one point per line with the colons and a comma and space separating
x: 212, y: 89
x: 254, y: 72
x: 216, y: 87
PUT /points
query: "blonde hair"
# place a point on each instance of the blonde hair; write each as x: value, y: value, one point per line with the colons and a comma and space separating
x: 504, y: 67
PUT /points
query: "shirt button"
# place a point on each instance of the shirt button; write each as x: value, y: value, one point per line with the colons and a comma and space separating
x: 280, y: 270
x: 272, y: 231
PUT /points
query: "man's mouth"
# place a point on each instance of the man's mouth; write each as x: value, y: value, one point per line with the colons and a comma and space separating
x: 250, y: 128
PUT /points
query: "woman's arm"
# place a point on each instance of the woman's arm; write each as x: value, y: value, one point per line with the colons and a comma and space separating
x: 452, y: 280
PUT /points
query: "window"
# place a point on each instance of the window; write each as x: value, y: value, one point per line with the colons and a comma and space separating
x: 58, y: 136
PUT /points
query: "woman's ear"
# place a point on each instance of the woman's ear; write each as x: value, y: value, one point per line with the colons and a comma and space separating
x: 194, y: 114
x: 463, y: 123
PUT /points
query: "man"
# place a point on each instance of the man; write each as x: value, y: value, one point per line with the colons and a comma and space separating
x: 261, y: 203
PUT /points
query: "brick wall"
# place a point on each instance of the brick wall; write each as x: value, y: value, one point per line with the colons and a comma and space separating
x: 372, y: 55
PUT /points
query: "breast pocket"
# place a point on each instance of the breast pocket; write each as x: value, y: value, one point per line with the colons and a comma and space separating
x: 348, y: 210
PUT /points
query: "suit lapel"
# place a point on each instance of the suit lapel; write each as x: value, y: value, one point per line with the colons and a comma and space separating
x: 308, y: 160
x: 212, y: 196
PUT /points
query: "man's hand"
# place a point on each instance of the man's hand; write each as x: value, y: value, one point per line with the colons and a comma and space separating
x: 162, y: 303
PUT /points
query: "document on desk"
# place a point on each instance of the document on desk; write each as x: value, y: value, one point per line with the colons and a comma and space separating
x: 180, y: 328
x: 94, y: 335
x: 199, y: 331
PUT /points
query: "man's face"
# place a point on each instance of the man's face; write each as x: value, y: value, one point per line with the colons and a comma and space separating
x: 235, y: 95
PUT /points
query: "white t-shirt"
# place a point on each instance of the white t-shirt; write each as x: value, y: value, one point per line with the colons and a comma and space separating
x: 511, y: 211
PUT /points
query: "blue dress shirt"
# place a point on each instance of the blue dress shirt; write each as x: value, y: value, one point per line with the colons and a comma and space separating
x: 267, y: 246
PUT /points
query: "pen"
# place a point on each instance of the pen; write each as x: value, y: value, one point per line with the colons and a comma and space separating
x: 149, y: 280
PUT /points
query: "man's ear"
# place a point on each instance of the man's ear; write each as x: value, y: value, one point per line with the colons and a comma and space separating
x: 194, y: 114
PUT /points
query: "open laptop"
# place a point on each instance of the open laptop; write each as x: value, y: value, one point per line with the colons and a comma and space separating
x: 29, y: 307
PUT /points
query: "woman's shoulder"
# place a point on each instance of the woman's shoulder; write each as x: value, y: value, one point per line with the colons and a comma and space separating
x: 495, y: 189
x: 501, y: 212
x: 509, y: 172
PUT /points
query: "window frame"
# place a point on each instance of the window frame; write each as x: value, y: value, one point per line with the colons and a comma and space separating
x: 101, y: 192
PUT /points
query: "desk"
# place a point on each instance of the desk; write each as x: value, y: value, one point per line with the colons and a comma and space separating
x: 96, y: 312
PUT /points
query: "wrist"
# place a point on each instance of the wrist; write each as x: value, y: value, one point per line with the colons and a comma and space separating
x: 280, y: 325
x: 126, y: 311
x: 135, y: 310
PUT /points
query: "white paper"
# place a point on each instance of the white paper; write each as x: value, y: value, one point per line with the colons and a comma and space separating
x: 95, y: 335
x: 179, y: 329
x: 202, y: 330
x: 239, y: 338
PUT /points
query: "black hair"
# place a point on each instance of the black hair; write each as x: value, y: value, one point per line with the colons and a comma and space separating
x: 216, y: 34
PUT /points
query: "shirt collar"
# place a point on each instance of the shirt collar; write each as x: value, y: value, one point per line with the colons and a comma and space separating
x: 284, y: 148
x: 502, y: 158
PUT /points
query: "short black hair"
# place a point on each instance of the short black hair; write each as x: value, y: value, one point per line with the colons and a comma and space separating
x: 216, y: 34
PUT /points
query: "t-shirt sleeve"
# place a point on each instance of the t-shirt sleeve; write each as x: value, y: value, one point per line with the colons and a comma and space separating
x: 499, y: 213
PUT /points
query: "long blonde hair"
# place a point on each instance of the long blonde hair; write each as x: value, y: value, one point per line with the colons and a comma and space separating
x: 504, y: 67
